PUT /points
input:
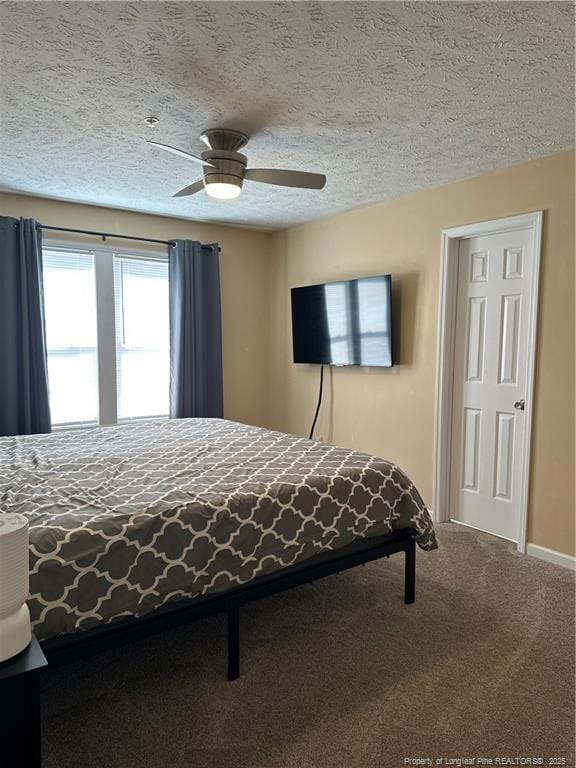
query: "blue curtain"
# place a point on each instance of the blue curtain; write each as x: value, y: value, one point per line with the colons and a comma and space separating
x: 195, y: 330
x: 24, y: 405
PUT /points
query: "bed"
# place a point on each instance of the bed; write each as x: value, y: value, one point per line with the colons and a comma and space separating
x: 139, y: 524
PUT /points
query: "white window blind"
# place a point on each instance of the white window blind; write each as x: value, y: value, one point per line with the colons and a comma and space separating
x: 142, y: 337
x: 70, y: 310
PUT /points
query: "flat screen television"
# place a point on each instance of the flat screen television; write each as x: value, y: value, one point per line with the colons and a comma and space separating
x: 348, y: 322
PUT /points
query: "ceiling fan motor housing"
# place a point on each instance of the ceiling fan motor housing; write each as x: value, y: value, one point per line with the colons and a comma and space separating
x: 224, y: 138
x: 229, y: 167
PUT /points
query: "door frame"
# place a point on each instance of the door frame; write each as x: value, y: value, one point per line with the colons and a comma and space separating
x: 445, y: 357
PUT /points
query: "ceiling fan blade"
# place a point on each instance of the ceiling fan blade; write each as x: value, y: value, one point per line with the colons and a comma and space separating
x: 181, y: 153
x: 300, y: 179
x: 191, y: 189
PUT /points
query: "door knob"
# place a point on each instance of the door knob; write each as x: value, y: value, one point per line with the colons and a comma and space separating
x: 519, y: 405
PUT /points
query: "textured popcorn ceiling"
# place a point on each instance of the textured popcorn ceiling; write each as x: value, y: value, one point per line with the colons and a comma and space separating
x: 385, y: 98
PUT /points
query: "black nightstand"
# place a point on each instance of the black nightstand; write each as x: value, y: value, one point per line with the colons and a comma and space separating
x: 20, y: 735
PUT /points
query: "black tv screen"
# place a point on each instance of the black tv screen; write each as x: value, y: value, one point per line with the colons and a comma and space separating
x: 344, y: 323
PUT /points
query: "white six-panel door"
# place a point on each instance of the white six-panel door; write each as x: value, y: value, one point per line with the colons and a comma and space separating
x: 490, y: 380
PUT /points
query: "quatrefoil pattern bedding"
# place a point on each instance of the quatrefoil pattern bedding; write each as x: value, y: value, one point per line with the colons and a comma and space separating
x: 125, y: 519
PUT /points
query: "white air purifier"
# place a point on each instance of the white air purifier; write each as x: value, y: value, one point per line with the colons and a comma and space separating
x: 15, y: 632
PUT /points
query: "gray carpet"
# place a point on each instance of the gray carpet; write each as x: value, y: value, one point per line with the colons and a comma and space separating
x: 341, y: 674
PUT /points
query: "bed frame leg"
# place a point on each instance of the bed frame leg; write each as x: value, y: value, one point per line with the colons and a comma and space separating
x: 410, y: 573
x: 233, y: 643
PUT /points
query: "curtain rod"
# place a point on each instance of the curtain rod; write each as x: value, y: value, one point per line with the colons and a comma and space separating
x: 104, y: 235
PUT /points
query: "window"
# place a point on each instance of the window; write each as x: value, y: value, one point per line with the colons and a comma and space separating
x: 72, y: 348
x: 142, y: 350
x: 107, y: 334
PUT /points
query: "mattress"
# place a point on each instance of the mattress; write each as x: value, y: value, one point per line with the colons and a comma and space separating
x: 126, y: 519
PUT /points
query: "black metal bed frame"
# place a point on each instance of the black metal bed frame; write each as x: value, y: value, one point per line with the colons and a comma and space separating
x: 62, y: 650
x: 20, y: 720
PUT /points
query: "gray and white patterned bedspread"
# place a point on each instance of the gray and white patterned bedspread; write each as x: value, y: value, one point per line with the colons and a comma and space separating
x: 124, y: 519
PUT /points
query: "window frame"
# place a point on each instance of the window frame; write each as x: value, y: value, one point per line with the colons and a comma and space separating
x: 103, y: 255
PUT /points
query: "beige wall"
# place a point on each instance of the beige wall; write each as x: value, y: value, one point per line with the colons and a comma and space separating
x: 244, y: 281
x: 391, y: 412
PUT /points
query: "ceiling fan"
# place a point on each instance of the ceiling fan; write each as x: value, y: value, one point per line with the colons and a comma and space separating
x: 225, y: 168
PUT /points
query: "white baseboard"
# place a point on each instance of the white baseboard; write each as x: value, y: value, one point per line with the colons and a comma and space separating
x: 551, y: 556
x: 533, y: 550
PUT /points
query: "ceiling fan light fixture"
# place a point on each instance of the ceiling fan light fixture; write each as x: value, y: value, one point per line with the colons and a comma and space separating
x: 222, y: 190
